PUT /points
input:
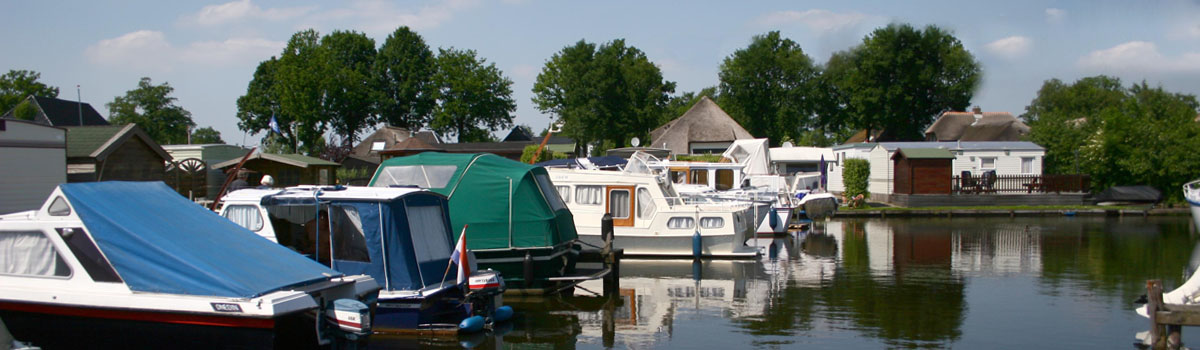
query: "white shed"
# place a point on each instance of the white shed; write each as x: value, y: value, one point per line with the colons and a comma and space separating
x: 1004, y: 157
x: 34, y: 158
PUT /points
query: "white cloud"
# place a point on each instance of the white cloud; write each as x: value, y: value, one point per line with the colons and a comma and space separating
x: 820, y: 21
x: 1055, y: 15
x: 143, y: 48
x: 1139, y: 57
x: 146, y: 49
x: 239, y: 10
x: 1012, y: 47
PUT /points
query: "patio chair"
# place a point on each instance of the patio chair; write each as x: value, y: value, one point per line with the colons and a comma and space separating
x: 968, y: 184
x: 989, y: 181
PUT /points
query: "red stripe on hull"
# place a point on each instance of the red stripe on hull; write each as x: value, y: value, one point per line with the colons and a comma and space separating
x: 148, y: 316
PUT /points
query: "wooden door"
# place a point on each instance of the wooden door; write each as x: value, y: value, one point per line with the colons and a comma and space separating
x: 619, y: 202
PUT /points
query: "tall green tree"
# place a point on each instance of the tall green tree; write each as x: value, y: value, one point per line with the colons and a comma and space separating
x: 1139, y: 135
x: 405, y: 67
x: 153, y: 109
x: 261, y: 103
x: 767, y: 87
x: 206, y: 135
x: 16, y: 85
x: 611, y: 92
x: 300, y: 87
x: 900, y: 78
x: 474, y: 97
x: 1063, y: 117
x: 350, y: 94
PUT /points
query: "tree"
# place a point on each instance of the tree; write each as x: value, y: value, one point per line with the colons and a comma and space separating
x: 153, y: 109
x: 610, y: 92
x: 206, y: 135
x: 767, y: 87
x: 901, y: 78
x: 292, y: 89
x: 856, y: 174
x: 260, y: 104
x: 1119, y: 136
x: 16, y: 85
x: 405, y: 68
x: 473, y: 96
x: 1062, y: 117
x: 350, y: 97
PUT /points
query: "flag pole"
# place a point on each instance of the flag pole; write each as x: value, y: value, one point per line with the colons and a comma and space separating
x: 462, y: 235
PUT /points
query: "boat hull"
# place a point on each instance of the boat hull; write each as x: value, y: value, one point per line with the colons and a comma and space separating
x: 712, y: 245
x: 819, y: 208
x: 409, y: 314
x: 547, y: 262
x: 69, y: 327
x: 783, y: 216
x: 1195, y: 213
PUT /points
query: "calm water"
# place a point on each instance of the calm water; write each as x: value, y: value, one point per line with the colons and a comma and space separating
x: 897, y: 283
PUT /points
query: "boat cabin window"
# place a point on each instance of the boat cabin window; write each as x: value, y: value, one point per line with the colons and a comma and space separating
x: 699, y: 177
x: 422, y: 176
x: 645, y: 204
x: 712, y: 222
x: 681, y: 222
x: 618, y: 203
x: 30, y: 253
x: 85, y: 251
x: 548, y: 191
x: 589, y: 194
x: 246, y: 216
x: 59, y: 207
x: 349, y: 243
x: 430, y: 239
x: 678, y: 176
x: 724, y: 179
x: 564, y: 192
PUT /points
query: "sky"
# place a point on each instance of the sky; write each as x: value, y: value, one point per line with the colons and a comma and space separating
x: 208, y: 51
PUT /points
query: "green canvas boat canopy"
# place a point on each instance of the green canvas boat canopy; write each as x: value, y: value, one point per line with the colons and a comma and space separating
x: 506, y: 204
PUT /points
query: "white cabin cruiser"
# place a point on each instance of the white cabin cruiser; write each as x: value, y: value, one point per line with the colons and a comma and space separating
x: 135, y: 265
x: 1191, y: 192
x: 649, y: 218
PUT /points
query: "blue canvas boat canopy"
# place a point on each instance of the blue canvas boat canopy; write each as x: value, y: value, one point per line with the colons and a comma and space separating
x: 160, y: 242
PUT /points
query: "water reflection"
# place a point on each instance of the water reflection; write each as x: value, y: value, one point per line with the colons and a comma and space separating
x: 925, y: 283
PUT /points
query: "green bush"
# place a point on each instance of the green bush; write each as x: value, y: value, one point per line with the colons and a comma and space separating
x: 347, y: 174
x: 527, y: 154
x: 855, y: 175
x: 711, y: 158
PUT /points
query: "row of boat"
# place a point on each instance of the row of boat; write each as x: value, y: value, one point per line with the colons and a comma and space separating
x: 318, y: 265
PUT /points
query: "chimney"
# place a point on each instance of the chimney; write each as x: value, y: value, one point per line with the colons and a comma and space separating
x: 977, y: 111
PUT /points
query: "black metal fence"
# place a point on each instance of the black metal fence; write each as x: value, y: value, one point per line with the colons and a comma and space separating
x: 989, y: 183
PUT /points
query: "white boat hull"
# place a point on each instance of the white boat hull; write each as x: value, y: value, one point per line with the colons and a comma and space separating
x: 712, y: 245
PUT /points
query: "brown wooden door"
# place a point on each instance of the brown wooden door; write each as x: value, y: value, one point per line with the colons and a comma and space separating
x: 619, y: 201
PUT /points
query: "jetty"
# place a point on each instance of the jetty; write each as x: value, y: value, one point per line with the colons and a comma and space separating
x: 1167, y: 320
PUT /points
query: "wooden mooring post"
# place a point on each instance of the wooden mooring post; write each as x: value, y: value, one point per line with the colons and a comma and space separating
x: 1167, y: 320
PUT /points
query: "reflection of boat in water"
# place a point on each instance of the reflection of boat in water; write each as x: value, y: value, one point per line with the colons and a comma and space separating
x: 1186, y: 294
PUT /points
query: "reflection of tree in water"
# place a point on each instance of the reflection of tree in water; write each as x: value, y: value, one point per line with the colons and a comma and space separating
x: 546, y: 331
x: 1113, y: 256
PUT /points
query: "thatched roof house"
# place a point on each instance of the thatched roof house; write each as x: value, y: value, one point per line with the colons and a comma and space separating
x: 704, y: 128
x: 976, y: 126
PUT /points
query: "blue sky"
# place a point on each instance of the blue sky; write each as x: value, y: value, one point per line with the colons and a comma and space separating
x: 208, y: 50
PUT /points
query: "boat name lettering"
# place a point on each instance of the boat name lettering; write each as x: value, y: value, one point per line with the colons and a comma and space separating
x: 226, y: 307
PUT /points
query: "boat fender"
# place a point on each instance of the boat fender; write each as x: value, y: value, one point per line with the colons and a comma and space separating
x: 696, y: 247
x: 503, y: 313
x: 471, y: 324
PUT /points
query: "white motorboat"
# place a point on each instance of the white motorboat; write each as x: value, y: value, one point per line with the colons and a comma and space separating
x: 1191, y: 192
x: 649, y: 218
x: 136, y: 265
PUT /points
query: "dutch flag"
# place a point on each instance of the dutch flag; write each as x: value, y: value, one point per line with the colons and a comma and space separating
x: 460, y: 258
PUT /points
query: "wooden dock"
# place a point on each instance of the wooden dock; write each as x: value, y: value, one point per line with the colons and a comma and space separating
x: 1167, y: 320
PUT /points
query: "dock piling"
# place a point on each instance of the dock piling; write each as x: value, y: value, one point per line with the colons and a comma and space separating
x: 1167, y: 320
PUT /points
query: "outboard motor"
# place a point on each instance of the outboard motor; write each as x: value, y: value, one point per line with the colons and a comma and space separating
x: 485, y: 290
x: 351, y: 320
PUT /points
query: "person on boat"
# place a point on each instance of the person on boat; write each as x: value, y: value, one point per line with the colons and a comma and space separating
x: 239, y: 183
x: 319, y: 251
x: 266, y: 182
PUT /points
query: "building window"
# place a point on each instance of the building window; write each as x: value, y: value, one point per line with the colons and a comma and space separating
x: 590, y: 195
x: 377, y: 146
x: 681, y: 222
x: 1026, y: 165
x: 987, y: 162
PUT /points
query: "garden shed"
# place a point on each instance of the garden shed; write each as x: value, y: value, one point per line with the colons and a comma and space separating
x: 923, y: 171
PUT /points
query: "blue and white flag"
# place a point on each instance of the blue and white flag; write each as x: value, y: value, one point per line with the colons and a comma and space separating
x: 274, y: 125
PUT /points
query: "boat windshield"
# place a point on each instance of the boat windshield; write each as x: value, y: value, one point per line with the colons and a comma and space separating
x: 639, y: 163
x: 422, y: 176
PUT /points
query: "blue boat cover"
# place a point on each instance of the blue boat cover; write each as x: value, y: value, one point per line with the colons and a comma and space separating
x: 410, y: 234
x: 160, y: 242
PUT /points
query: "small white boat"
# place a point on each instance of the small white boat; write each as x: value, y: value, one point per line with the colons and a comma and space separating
x: 649, y: 218
x: 136, y: 265
x: 1191, y: 192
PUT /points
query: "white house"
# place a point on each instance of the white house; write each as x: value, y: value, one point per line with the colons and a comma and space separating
x: 976, y: 157
x: 34, y: 159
